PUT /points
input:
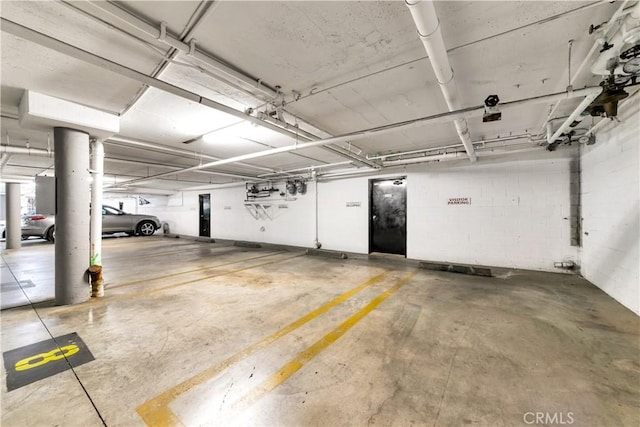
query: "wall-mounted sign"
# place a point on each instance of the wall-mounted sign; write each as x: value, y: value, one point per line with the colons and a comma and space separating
x: 459, y: 201
x: 353, y: 204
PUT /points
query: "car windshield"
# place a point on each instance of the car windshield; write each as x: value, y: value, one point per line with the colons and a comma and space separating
x: 108, y: 210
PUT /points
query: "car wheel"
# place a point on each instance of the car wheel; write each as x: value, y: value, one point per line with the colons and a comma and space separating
x: 51, y: 234
x: 146, y: 228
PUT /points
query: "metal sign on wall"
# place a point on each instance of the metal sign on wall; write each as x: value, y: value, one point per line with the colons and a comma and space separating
x: 459, y: 201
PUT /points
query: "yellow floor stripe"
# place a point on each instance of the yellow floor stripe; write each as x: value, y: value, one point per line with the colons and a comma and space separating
x: 158, y: 254
x: 104, y: 301
x: 187, y: 282
x: 166, y: 276
x: 156, y: 412
x: 307, y: 355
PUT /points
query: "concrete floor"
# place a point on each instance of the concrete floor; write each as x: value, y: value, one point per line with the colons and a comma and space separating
x: 211, y: 334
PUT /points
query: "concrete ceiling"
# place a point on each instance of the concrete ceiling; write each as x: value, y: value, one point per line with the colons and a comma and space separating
x: 338, y: 67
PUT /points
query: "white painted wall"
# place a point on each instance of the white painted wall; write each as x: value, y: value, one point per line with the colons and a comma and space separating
x: 340, y: 227
x: 129, y: 203
x: 180, y: 212
x: 516, y: 217
x: 292, y: 223
x: 610, y: 200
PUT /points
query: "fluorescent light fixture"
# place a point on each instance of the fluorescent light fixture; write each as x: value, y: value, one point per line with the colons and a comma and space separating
x: 244, y: 131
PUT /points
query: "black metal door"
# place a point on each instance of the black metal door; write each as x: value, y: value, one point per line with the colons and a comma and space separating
x: 388, y: 220
x: 205, y: 215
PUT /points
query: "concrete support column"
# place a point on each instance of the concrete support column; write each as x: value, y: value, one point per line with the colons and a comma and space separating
x: 97, y: 170
x: 72, y: 215
x: 13, y: 226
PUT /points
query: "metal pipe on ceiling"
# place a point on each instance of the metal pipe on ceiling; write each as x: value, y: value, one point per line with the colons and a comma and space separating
x: 310, y: 92
x: 627, y: 32
x: 4, y: 160
x: 383, y: 130
x: 161, y: 35
x: 36, y: 37
x: 347, y: 173
x: 203, y: 10
x: 428, y: 25
x: 80, y: 54
x: 456, y: 155
x: 308, y: 168
x: 128, y: 142
x: 460, y: 155
x: 573, y: 116
x: 207, y: 172
x: 597, y: 44
x: 341, y: 151
x: 392, y: 128
x: 446, y: 147
x: 168, y: 39
x: 10, y: 149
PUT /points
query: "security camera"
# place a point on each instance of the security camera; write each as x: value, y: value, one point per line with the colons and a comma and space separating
x: 491, y: 101
x: 491, y: 110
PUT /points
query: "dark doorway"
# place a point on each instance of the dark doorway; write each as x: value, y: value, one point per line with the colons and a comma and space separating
x: 388, y: 220
x: 205, y: 215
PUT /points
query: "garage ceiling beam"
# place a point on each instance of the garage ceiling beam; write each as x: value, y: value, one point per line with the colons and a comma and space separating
x: 466, y: 113
x: 80, y: 54
x: 251, y: 83
x: 224, y: 73
x: 143, y: 145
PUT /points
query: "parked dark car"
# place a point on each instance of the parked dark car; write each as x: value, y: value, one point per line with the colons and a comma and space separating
x: 113, y: 221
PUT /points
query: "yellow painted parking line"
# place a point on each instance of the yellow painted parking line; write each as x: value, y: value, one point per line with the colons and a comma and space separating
x: 155, y: 254
x: 156, y: 412
x: 175, y: 249
x: 307, y: 355
x: 225, y: 273
x: 165, y: 276
x: 104, y: 301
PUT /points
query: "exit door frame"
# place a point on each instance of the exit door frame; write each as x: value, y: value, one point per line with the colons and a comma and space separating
x: 369, y: 212
x: 201, y: 197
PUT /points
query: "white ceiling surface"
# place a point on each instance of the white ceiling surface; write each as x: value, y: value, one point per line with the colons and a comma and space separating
x: 353, y: 65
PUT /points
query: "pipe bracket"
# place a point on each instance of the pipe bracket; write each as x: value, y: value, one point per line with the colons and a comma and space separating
x: 427, y: 36
x: 163, y: 31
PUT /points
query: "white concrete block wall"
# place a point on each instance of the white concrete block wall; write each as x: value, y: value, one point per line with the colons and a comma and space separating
x: 610, y: 208
x: 180, y: 212
x: 293, y: 225
x: 518, y: 216
x: 129, y: 203
x: 340, y: 227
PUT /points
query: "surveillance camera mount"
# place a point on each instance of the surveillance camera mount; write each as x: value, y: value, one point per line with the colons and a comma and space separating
x: 491, y: 111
